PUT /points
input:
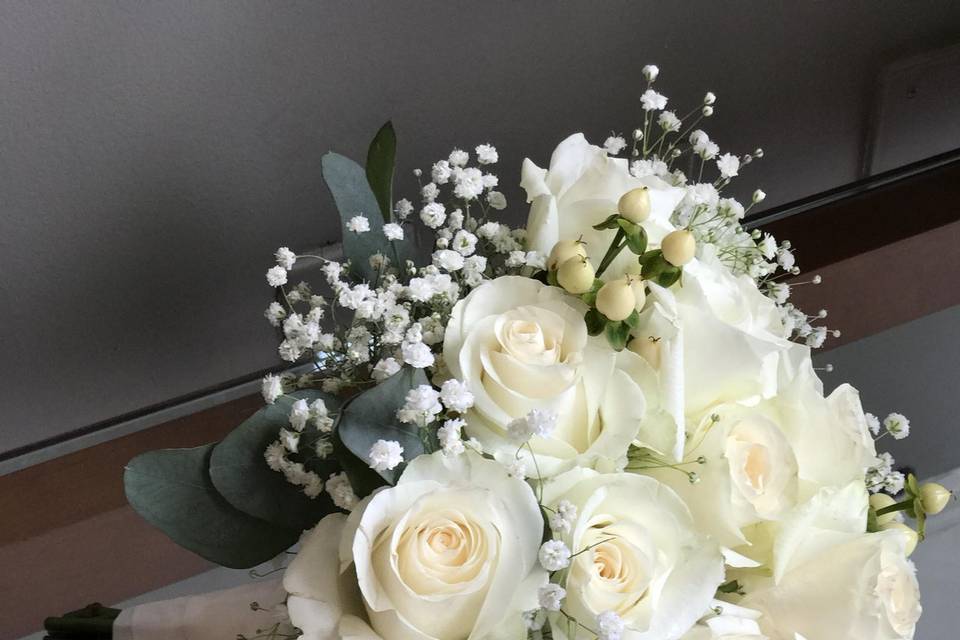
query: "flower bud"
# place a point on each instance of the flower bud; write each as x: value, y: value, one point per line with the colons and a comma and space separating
x: 634, y: 205
x: 576, y: 275
x: 678, y: 247
x: 648, y: 348
x: 934, y: 497
x: 639, y: 291
x: 909, y: 534
x: 880, y: 501
x: 616, y: 300
x: 563, y: 251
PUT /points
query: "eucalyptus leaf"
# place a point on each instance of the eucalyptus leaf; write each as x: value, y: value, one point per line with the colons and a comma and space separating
x: 172, y: 490
x: 381, y: 160
x: 372, y: 416
x: 363, y: 479
x: 240, y: 473
x: 347, y: 181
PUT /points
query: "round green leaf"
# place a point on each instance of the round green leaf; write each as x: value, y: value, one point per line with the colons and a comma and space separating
x: 171, y: 489
x: 240, y: 473
x: 372, y: 416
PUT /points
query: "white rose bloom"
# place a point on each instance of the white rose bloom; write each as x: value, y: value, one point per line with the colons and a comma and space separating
x: 449, y: 552
x: 762, y: 458
x: 581, y: 188
x: 638, y: 555
x: 831, y: 580
x: 519, y: 345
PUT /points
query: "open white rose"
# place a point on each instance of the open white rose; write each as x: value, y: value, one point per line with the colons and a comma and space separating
x: 831, y: 580
x: 580, y: 189
x: 759, y: 459
x: 520, y: 345
x: 450, y: 552
x: 638, y: 555
x: 719, y: 337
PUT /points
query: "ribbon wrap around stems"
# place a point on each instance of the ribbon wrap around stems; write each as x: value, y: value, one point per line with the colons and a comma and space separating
x: 218, y: 614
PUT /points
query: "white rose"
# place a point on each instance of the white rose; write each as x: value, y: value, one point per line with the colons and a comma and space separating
x: 449, y: 552
x: 724, y: 339
x: 638, y: 555
x: 581, y: 188
x: 831, y: 580
x: 519, y: 345
x: 760, y: 459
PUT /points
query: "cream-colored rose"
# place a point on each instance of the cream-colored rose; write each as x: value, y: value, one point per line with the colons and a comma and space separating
x: 520, y: 345
x: 720, y: 338
x: 450, y: 552
x: 638, y: 554
x: 759, y: 459
x: 831, y: 580
x: 581, y: 188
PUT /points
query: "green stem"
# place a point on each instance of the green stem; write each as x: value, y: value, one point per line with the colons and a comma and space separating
x: 900, y: 506
x: 612, y: 252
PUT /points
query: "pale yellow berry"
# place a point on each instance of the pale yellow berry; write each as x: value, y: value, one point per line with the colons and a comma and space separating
x: 639, y: 291
x: 576, y: 275
x: 648, y: 348
x: 911, y: 536
x: 634, y: 205
x: 934, y: 498
x: 678, y: 247
x: 616, y: 300
x: 563, y: 251
x: 879, y: 501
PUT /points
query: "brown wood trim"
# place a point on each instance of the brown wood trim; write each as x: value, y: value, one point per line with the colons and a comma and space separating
x: 68, y: 536
x: 828, y: 230
x: 888, y: 286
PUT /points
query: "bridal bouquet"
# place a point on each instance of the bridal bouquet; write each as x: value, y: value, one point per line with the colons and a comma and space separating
x: 602, y: 424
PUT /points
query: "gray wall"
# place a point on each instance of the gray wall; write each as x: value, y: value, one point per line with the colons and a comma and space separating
x: 153, y: 155
x: 913, y: 369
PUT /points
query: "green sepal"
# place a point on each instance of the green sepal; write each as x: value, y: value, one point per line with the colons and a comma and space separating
x: 372, y: 416
x: 633, y: 320
x: 635, y: 235
x: 654, y: 267
x: 609, y: 223
x: 172, y: 490
x: 381, y: 160
x: 595, y: 322
x: 618, y: 333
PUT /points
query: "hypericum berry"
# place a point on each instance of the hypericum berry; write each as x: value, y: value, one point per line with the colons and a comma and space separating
x: 616, y: 300
x: 934, y: 498
x: 563, y: 251
x: 678, y: 247
x: 648, y: 348
x: 634, y: 205
x: 576, y: 275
